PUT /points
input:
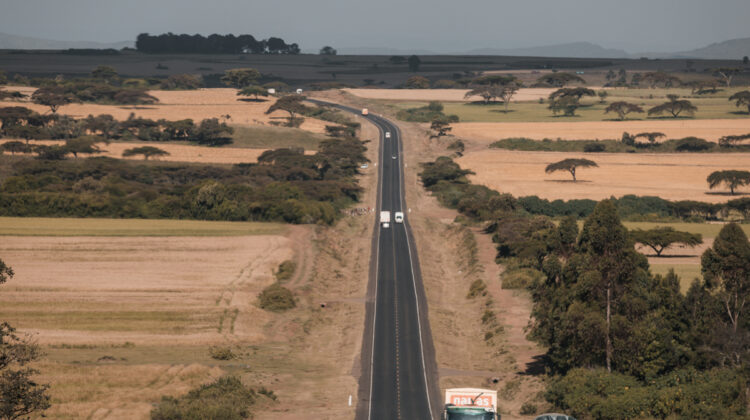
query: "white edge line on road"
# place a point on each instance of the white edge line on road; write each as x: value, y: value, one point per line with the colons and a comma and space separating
x: 378, y: 200
x: 411, y: 266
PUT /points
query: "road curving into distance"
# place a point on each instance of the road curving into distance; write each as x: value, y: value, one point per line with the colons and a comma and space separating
x: 399, y: 373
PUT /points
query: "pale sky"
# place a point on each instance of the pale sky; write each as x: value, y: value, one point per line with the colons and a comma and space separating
x: 437, y: 25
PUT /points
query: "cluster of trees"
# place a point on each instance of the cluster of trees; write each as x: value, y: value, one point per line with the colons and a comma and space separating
x: 432, y: 111
x: 213, y: 44
x: 285, y: 185
x: 622, y: 342
x: 20, y: 122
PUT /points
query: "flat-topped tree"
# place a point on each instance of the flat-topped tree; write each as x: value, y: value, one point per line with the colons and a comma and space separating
x: 659, y: 77
x: 741, y: 99
x: 675, y: 106
x: 240, y: 78
x: 729, y: 141
x: 651, y: 136
x: 622, y: 108
x: 15, y: 147
x: 570, y: 165
x: 559, y: 79
x: 253, y: 90
x: 291, y: 104
x: 661, y: 238
x: 145, y: 151
x: 441, y: 127
x: 105, y: 73
x: 52, y: 97
x: 487, y: 93
x: 732, y: 179
x: 567, y: 100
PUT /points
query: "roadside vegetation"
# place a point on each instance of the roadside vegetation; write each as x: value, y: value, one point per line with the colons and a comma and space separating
x: 611, y: 327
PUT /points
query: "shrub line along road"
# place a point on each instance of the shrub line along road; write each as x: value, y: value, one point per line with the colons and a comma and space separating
x: 399, y: 373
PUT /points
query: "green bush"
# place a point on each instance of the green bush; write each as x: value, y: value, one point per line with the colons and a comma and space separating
x: 226, y: 399
x: 429, y: 113
x: 521, y: 278
x: 276, y: 298
x: 286, y: 270
x: 477, y: 288
x: 221, y: 353
x: 528, y: 409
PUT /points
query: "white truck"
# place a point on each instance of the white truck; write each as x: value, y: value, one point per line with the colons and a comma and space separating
x: 365, y: 111
x: 385, y: 219
x: 473, y: 403
x: 398, y: 217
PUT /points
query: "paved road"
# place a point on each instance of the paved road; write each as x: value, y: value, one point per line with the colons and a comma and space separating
x: 399, y: 379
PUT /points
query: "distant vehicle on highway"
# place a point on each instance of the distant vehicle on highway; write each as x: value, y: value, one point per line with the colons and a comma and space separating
x: 365, y: 111
x: 394, y: 156
x: 398, y: 217
x: 387, y: 134
x: 385, y: 219
x: 364, y: 166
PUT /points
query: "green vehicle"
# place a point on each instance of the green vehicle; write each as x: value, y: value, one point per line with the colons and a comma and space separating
x: 468, y: 413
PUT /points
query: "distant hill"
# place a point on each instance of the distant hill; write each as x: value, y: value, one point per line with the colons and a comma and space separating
x: 13, y: 42
x: 573, y: 50
x: 734, y: 49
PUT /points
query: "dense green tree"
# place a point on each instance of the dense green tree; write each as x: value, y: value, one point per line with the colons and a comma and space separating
x: 661, y: 238
x: 732, y: 179
x: 742, y: 99
x: 567, y: 100
x: 602, y: 94
x: 239, y: 78
x: 26, y: 132
x: 211, y: 132
x: 442, y: 169
x: 414, y: 63
x: 104, y: 73
x: 622, y: 108
x: 182, y: 82
x: 253, y: 90
x: 327, y: 50
x: 134, y: 97
x: 417, y: 82
x: 726, y: 269
x: 570, y: 165
x: 145, y: 151
x: 20, y: 394
x: 674, y: 106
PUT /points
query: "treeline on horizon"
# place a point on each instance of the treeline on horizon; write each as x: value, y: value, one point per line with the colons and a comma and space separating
x: 212, y: 44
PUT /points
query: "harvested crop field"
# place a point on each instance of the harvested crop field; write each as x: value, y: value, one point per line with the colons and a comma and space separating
x: 669, y: 176
x: 450, y: 95
x: 710, y: 130
x: 194, y: 104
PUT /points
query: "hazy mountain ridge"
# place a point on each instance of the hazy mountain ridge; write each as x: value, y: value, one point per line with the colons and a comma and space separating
x: 13, y: 42
x: 571, y: 49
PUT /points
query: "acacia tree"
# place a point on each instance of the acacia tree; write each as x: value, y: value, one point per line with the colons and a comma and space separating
x: 622, y: 108
x: 83, y: 145
x: 659, y: 77
x: 567, y: 100
x: 145, y: 151
x: 570, y: 165
x: 16, y: 147
x: 240, y: 78
x: 441, y: 127
x: 253, y: 90
x: 651, y: 136
x: 291, y: 104
x: 487, y: 93
x: 732, y: 179
x: 728, y: 141
x: 726, y: 269
x: 661, y: 238
x: 559, y: 79
x: 51, y: 97
x: 727, y: 74
x: 20, y: 395
x: 741, y: 99
x: 674, y: 106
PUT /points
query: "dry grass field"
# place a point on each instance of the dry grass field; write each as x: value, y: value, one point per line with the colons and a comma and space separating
x: 669, y: 176
x: 176, y: 105
x: 710, y: 130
